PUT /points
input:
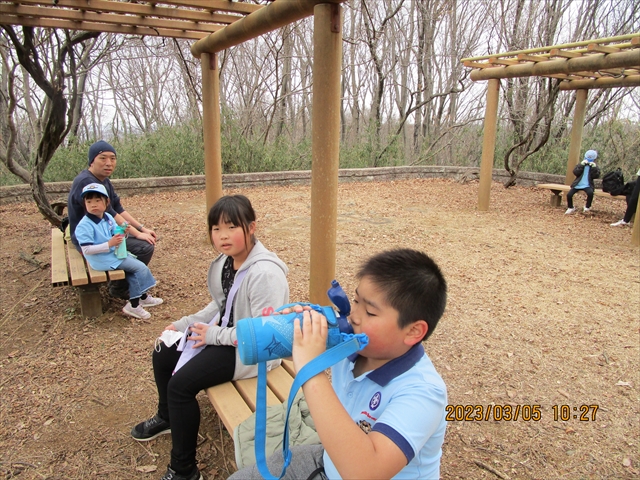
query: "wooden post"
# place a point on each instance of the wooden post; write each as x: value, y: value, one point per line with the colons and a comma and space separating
x: 327, y: 63
x: 576, y: 134
x: 488, y: 144
x: 90, y: 301
x: 211, y: 127
x: 635, y: 236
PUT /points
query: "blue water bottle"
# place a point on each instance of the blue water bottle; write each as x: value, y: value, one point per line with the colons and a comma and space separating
x: 271, y: 336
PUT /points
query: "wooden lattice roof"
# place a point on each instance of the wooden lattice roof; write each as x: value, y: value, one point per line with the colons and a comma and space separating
x: 602, y: 63
x: 189, y: 19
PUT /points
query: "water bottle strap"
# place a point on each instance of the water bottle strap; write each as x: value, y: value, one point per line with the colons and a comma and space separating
x: 311, y: 369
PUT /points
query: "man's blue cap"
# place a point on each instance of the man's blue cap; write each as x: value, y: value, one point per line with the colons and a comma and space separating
x: 95, y: 187
x: 99, y: 147
x: 590, y: 155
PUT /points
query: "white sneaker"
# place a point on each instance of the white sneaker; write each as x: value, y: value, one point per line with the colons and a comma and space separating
x: 586, y: 210
x: 150, y: 301
x: 137, y: 312
x: 569, y: 211
x: 620, y: 223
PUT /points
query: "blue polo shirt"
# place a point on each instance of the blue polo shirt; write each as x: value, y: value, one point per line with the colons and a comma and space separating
x: 405, y: 400
x: 92, y: 230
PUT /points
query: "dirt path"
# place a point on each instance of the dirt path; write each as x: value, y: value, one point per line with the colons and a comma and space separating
x: 543, y: 310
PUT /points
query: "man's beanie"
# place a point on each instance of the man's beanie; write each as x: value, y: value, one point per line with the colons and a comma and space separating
x: 591, y: 155
x: 99, y: 147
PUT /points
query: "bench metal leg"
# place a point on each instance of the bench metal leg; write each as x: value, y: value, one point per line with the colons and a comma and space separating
x: 90, y: 301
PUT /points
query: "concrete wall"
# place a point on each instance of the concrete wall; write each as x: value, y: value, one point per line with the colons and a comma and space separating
x: 58, y: 190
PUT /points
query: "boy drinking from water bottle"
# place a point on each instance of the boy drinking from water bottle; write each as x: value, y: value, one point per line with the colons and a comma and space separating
x: 95, y: 234
x: 382, y: 414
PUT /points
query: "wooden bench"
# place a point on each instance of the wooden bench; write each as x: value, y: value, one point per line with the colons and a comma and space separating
x: 557, y: 189
x: 236, y: 401
x: 68, y: 267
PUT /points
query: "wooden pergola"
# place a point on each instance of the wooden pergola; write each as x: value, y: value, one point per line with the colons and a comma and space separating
x: 603, y: 63
x: 216, y: 25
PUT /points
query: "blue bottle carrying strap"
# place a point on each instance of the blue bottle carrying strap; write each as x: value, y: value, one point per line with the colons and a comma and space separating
x: 186, y: 345
x: 351, y: 344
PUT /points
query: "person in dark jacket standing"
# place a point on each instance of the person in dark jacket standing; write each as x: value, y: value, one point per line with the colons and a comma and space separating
x: 585, y: 172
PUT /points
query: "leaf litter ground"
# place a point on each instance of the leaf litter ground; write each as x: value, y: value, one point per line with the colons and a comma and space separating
x: 543, y: 310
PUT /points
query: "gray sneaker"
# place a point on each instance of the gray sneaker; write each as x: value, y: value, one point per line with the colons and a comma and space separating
x: 150, y: 429
x: 137, y: 312
x: 150, y: 301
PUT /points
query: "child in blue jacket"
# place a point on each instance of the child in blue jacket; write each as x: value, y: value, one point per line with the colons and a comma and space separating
x: 95, y: 234
x: 585, y: 172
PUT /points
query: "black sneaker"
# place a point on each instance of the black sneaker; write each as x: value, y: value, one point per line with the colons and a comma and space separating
x: 171, y: 474
x: 150, y: 429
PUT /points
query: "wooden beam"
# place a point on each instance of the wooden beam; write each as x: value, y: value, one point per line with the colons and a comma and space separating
x: 595, y: 62
x: 107, y: 19
x: 633, y: 38
x: 604, y: 82
x: 215, y: 5
x: 533, y: 58
x: 595, y: 47
x: 267, y: 19
x: 100, y: 27
x: 137, y: 9
x: 556, y: 52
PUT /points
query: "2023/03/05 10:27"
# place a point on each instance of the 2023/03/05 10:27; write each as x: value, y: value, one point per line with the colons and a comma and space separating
x: 508, y: 413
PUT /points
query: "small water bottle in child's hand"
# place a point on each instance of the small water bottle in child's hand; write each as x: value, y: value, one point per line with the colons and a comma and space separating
x: 121, y: 250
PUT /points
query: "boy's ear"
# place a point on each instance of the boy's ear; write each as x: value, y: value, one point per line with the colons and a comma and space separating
x: 416, y: 332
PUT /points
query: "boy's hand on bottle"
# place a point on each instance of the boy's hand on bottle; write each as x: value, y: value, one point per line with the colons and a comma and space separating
x: 116, y: 240
x: 309, y: 338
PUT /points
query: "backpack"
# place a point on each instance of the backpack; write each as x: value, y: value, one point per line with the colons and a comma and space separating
x: 613, y: 182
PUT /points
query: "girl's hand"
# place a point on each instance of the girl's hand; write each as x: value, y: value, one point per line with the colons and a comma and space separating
x: 115, y: 240
x: 199, y: 332
x: 310, y: 340
x: 171, y: 327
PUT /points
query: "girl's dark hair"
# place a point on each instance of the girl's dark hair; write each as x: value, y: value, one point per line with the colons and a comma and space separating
x: 235, y: 209
x: 412, y: 284
x: 94, y: 195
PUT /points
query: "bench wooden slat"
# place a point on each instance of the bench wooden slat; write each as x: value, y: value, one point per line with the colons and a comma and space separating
x: 59, y: 275
x: 557, y: 188
x: 236, y: 401
x: 229, y: 404
x: 288, y: 366
x: 116, y: 275
x: 248, y: 388
x: 77, y: 270
x: 96, y: 276
x: 279, y: 381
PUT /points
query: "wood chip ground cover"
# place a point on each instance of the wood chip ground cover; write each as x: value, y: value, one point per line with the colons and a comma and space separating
x: 543, y: 310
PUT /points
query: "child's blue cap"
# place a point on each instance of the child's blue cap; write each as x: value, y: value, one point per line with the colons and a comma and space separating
x: 99, y: 147
x: 95, y: 187
x: 591, y: 155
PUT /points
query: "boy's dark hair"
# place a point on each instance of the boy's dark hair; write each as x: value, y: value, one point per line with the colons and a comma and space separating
x: 412, y: 283
x: 235, y: 209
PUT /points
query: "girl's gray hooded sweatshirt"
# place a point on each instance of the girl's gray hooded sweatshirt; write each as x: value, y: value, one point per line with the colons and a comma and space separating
x: 265, y: 285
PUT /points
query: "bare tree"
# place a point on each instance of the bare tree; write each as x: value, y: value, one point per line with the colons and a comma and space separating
x: 54, y: 60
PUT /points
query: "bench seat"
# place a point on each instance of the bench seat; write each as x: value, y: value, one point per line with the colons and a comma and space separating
x: 235, y: 401
x: 69, y: 267
x: 557, y: 189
